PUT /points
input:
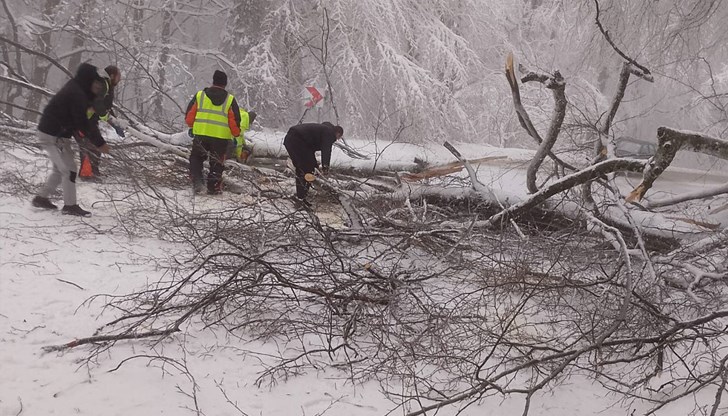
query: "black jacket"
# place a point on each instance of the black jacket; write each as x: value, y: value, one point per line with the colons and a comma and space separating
x: 103, y: 103
x: 65, y: 114
x: 316, y: 137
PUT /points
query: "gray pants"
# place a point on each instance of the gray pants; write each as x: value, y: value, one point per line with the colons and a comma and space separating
x: 64, y: 167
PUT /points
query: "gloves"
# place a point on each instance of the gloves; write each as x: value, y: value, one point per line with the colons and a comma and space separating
x: 189, y: 133
x: 119, y: 130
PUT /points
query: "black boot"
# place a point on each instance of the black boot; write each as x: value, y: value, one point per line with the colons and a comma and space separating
x: 301, y: 202
x: 43, y: 202
x: 75, y: 210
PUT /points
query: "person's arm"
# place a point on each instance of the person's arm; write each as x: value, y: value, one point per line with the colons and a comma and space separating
x: 234, y: 118
x: 83, y: 127
x: 326, y: 153
x: 108, y: 103
x: 98, y: 103
x: 92, y: 133
x: 244, y: 121
x: 78, y: 104
x: 191, y: 112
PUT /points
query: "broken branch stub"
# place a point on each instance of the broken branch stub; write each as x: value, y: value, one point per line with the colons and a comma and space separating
x: 669, y: 142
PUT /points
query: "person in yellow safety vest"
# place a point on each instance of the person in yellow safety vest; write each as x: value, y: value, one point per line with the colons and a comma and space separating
x: 241, y: 151
x: 213, y: 116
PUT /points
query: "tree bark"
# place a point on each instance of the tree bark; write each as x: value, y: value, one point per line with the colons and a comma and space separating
x: 43, y: 45
x: 669, y: 142
x: 78, y: 40
x: 167, y: 17
x: 523, y: 118
x: 566, y: 183
x: 557, y: 85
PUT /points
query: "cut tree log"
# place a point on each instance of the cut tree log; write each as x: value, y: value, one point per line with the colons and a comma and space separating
x: 446, y: 169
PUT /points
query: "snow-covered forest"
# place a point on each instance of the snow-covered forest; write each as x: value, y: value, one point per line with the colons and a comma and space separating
x: 483, y: 245
x: 420, y: 71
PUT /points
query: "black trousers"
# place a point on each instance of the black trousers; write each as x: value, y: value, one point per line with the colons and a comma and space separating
x: 303, y: 158
x: 204, y: 148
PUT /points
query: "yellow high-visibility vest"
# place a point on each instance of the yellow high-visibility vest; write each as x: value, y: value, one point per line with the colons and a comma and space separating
x: 240, y: 140
x: 212, y: 120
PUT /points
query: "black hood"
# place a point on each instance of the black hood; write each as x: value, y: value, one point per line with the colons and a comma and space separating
x: 85, y: 76
x: 217, y: 95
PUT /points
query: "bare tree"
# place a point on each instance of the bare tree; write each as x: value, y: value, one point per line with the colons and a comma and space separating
x: 43, y: 43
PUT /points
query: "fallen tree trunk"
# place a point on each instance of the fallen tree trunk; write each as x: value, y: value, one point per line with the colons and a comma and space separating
x: 446, y: 169
x: 669, y: 142
x: 511, y: 204
x: 566, y: 183
x: 706, y: 193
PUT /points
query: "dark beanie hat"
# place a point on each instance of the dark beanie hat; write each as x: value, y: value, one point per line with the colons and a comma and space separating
x: 219, y: 78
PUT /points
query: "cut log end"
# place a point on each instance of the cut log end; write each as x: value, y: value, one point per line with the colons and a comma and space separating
x: 637, y: 194
x: 509, y: 69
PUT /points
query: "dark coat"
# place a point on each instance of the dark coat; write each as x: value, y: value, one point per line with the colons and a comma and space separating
x: 315, y: 137
x: 103, y: 103
x: 65, y: 114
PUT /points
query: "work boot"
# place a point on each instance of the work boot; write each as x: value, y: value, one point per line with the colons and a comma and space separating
x: 43, y: 202
x: 75, y: 210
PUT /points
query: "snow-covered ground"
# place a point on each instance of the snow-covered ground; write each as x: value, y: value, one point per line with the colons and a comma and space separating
x: 52, y: 265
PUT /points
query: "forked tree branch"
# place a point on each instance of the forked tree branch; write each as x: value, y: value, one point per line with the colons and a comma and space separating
x: 523, y: 118
x: 609, y: 40
x: 36, y: 53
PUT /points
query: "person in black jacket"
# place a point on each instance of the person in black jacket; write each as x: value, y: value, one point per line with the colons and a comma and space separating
x: 66, y: 116
x: 301, y: 142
